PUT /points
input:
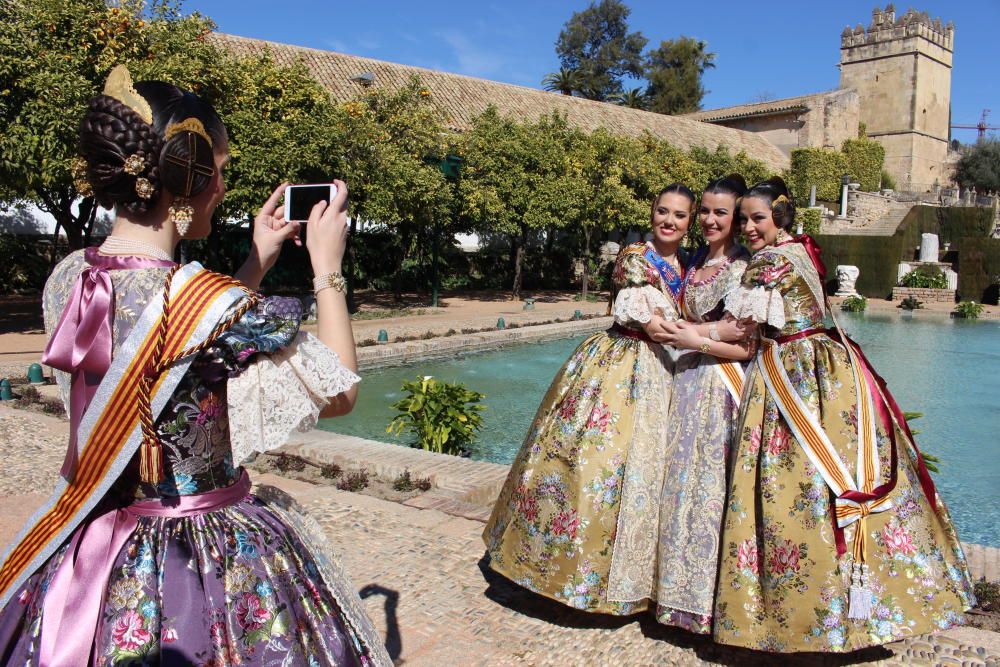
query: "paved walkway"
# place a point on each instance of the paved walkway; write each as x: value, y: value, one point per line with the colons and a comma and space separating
x: 418, y: 567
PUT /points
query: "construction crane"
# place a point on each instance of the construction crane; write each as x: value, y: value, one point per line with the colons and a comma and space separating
x: 981, y: 126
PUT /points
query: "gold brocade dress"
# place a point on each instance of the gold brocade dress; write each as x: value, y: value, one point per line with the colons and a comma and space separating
x: 576, y: 520
x: 782, y: 586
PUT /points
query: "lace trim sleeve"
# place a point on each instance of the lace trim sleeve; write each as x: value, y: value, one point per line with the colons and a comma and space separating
x: 637, y: 305
x: 760, y: 304
x: 282, y: 393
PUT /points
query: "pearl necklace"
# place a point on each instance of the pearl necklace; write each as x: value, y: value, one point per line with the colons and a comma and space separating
x: 727, y: 257
x: 116, y: 245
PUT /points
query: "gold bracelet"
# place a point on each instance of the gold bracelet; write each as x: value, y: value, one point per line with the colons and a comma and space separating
x: 334, y: 280
x: 706, y: 346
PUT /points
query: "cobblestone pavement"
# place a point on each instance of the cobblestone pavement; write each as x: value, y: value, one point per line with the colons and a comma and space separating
x: 420, y: 572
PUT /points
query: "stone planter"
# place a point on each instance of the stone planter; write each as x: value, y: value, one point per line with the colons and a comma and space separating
x: 923, y: 294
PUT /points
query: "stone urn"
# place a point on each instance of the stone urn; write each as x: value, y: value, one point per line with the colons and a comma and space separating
x: 847, y: 276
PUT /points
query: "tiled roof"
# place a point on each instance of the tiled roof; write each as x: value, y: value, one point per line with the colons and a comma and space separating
x: 769, y: 108
x: 461, y: 98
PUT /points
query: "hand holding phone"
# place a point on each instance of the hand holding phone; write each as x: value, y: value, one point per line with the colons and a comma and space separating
x: 300, y: 199
x: 326, y: 231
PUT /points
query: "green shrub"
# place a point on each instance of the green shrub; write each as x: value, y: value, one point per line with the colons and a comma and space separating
x: 820, y: 167
x: 926, y: 277
x: 407, y: 483
x: 810, y: 219
x: 854, y: 304
x: 288, y: 463
x: 910, y: 303
x: 930, y: 461
x: 864, y: 158
x: 354, y: 481
x: 443, y: 416
x: 888, y: 182
x: 969, y: 310
x: 331, y: 471
x: 987, y: 595
x: 23, y: 267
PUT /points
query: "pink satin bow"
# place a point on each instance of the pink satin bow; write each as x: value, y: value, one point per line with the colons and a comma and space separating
x: 82, y: 341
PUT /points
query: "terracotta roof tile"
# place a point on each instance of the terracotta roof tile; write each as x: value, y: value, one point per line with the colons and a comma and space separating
x: 799, y: 103
x: 461, y: 98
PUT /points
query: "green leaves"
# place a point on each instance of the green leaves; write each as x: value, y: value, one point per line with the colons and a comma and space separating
x: 674, y: 71
x: 979, y: 166
x: 444, y: 417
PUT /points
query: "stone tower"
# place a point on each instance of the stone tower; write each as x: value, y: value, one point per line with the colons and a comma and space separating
x: 901, y: 69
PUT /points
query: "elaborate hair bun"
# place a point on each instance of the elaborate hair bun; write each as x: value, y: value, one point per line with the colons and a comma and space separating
x: 738, y: 180
x: 776, y: 194
x: 140, y: 140
x: 121, y: 151
x: 733, y: 184
x: 187, y: 163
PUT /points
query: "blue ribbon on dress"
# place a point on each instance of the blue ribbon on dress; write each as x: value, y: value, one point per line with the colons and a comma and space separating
x: 670, y: 276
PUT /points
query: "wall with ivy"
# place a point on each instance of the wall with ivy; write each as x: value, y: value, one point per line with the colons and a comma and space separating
x: 862, y: 158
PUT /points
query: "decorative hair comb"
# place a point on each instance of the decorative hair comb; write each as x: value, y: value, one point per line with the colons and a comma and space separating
x: 190, y: 124
x: 119, y: 86
x: 781, y: 199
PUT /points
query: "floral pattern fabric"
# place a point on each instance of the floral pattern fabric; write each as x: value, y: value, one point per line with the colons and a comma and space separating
x: 555, y: 526
x: 236, y: 586
x: 782, y: 586
x: 702, y: 421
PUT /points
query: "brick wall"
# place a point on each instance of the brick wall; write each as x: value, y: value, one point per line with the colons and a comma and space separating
x: 923, y: 294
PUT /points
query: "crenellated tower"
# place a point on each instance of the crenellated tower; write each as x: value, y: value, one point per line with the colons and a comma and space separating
x: 901, y: 69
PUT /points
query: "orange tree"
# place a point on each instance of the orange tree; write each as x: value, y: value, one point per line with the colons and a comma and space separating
x: 54, y: 56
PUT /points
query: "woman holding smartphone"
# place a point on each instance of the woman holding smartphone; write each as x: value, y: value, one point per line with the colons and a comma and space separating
x: 152, y: 548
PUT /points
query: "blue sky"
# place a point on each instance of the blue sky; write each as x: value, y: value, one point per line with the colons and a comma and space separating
x: 778, y: 48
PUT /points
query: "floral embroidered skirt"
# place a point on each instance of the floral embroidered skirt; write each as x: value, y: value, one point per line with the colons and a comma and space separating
x: 239, y: 585
x: 782, y: 586
x: 554, y: 528
x: 702, y: 422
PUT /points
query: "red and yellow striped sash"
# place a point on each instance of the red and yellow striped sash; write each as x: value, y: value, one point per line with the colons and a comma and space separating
x: 733, y: 377
x: 117, y: 421
x: 816, y: 444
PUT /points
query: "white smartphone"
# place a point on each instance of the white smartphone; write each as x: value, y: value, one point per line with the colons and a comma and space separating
x: 300, y: 199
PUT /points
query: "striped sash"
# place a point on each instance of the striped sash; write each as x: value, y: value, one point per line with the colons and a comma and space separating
x: 733, y: 376
x: 110, y: 429
x: 855, y: 495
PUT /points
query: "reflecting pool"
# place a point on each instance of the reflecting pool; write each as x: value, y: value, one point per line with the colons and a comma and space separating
x: 947, y: 369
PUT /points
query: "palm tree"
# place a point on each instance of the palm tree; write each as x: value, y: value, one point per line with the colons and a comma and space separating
x: 635, y: 98
x: 565, y: 81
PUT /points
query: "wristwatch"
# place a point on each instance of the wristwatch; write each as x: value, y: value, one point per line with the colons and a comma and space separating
x: 713, y: 332
x: 706, y: 346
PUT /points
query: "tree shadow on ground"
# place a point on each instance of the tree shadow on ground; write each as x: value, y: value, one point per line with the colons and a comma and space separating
x: 516, y: 598
x: 21, y: 314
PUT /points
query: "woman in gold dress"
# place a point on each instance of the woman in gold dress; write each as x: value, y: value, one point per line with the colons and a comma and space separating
x: 577, y: 518
x: 834, y: 537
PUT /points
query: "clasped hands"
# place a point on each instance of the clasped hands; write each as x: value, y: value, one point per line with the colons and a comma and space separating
x: 685, y: 335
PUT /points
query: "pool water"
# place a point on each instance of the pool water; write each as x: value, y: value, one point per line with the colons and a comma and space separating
x: 947, y: 369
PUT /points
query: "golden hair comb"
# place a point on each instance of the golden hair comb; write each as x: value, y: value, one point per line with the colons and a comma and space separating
x: 119, y: 86
x: 190, y: 124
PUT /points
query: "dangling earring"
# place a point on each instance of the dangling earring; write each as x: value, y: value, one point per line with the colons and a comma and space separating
x: 181, y: 214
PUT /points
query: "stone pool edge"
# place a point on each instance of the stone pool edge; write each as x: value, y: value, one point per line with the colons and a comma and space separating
x: 466, y: 488
x: 398, y: 354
